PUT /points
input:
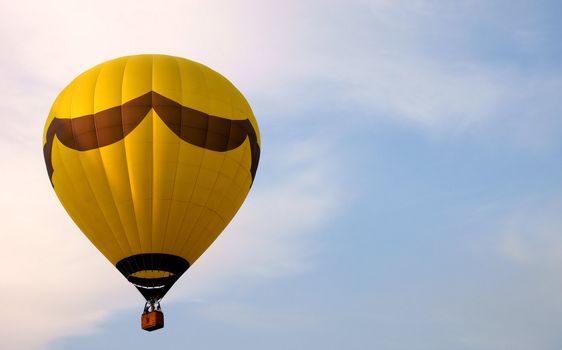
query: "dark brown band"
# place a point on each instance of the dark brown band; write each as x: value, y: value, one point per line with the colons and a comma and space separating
x: 111, y: 125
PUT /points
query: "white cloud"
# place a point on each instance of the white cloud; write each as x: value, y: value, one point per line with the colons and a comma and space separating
x: 534, y: 239
x: 394, y: 59
x: 53, y: 281
x: 60, y: 39
x: 422, y: 63
x: 428, y: 94
x: 511, y: 299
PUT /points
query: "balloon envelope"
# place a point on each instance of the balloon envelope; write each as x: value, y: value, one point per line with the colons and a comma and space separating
x: 151, y: 156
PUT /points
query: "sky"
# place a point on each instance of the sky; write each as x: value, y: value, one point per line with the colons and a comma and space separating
x: 408, y: 194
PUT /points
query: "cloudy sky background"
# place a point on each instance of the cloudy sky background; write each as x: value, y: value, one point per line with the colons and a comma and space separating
x: 408, y: 196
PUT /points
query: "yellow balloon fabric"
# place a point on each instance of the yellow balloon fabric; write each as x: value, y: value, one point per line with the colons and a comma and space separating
x: 151, y: 156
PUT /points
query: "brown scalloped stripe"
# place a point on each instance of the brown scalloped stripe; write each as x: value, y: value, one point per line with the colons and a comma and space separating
x: 112, y: 125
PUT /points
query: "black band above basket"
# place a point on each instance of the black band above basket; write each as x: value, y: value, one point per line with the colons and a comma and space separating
x: 153, y: 288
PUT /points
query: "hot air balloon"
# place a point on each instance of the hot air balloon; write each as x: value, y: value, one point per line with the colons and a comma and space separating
x: 151, y: 156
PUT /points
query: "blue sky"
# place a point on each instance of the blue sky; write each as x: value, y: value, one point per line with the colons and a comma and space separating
x: 408, y: 195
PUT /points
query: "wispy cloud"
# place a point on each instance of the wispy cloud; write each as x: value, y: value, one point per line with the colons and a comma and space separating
x: 47, y: 261
x: 414, y: 62
x: 534, y: 239
x: 419, y: 62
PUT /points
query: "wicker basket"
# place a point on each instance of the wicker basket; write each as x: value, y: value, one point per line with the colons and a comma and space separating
x: 152, y: 321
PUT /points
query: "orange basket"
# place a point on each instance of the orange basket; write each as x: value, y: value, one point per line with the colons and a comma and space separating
x: 152, y: 321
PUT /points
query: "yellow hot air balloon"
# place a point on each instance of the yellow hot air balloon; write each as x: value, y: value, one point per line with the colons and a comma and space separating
x: 151, y: 156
